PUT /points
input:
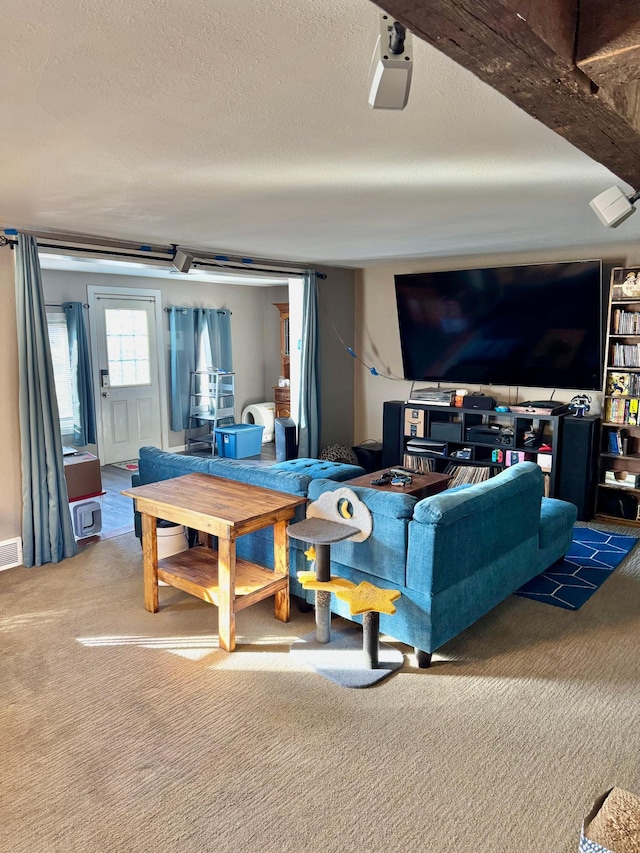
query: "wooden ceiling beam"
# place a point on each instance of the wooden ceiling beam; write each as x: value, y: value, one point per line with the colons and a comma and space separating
x: 608, y: 43
x: 525, y: 50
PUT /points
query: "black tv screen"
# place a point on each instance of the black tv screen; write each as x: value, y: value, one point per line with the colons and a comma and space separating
x: 536, y: 325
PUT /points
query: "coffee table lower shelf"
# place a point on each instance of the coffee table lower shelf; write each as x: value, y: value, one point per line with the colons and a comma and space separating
x: 196, y: 571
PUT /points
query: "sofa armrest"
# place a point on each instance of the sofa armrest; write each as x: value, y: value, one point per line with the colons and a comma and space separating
x: 556, y: 523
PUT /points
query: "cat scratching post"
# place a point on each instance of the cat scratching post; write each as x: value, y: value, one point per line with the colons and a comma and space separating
x: 343, y: 658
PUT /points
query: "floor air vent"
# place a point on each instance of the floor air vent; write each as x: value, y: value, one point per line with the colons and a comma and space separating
x: 10, y: 553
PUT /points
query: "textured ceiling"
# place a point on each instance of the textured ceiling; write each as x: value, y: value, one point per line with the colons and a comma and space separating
x: 243, y: 126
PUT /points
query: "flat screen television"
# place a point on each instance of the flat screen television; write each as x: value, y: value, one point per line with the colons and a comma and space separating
x: 536, y: 325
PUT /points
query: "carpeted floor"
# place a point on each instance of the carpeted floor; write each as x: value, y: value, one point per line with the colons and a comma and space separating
x: 123, y: 731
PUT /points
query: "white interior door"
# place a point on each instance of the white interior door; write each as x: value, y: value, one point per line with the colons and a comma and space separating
x: 126, y: 353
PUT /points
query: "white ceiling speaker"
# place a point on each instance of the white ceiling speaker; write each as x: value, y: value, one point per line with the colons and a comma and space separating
x: 391, y: 66
x: 613, y: 206
x: 182, y: 261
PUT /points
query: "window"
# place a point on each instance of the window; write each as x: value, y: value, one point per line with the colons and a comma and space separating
x: 128, y: 354
x: 59, y: 344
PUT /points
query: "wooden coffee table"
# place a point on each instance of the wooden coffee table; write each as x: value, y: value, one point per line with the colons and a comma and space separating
x: 421, y: 486
x: 226, y: 509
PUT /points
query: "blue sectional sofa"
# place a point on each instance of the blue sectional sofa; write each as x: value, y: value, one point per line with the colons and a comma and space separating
x: 453, y: 556
x: 291, y: 477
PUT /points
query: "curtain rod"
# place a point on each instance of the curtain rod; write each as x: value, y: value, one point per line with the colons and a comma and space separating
x: 198, y: 264
x: 179, y: 308
x: 128, y: 249
x: 62, y: 304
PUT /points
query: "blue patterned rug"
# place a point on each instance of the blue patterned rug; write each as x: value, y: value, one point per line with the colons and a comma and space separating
x: 592, y: 557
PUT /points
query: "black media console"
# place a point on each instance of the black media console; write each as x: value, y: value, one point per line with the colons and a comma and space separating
x: 476, y: 444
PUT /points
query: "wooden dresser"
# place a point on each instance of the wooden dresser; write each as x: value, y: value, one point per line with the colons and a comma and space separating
x: 282, y: 399
x: 282, y: 395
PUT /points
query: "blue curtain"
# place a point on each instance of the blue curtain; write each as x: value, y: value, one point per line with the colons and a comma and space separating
x: 84, y: 413
x: 219, y: 329
x: 47, y: 533
x: 183, y: 345
x: 187, y: 327
x: 308, y: 414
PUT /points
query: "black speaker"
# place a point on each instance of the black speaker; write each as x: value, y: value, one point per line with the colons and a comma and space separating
x: 286, y: 441
x: 369, y: 455
x: 479, y: 401
x: 577, y: 473
x: 392, y: 433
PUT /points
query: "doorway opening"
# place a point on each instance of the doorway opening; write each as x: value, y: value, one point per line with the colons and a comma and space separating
x: 127, y: 361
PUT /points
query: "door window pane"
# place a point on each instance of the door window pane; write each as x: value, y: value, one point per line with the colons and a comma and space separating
x: 127, y: 347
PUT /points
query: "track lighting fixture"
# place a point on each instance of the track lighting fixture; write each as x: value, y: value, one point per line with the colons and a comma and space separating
x: 182, y: 261
x: 613, y: 206
x: 391, y: 66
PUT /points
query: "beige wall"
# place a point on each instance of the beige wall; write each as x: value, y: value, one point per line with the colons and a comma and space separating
x: 10, y: 461
x: 336, y: 375
x: 378, y: 340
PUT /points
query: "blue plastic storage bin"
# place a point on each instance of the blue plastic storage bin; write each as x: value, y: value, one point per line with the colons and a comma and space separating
x: 239, y: 440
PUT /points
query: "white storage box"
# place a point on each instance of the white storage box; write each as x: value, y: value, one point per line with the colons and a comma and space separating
x: 545, y: 461
x: 171, y: 540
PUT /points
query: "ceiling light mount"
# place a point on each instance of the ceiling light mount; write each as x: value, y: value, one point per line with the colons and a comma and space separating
x: 613, y: 206
x: 182, y: 260
x: 391, y: 66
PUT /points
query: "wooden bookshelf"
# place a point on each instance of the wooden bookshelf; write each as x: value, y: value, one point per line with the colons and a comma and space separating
x: 620, y: 439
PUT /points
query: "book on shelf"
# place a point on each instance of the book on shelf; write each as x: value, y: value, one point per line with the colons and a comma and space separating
x: 625, y: 322
x: 618, y: 384
x: 624, y: 479
x: 622, y: 410
x: 625, y: 355
x: 615, y: 321
x: 618, y: 442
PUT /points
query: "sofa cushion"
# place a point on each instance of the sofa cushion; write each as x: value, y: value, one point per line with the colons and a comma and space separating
x: 291, y: 482
x: 315, y: 468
